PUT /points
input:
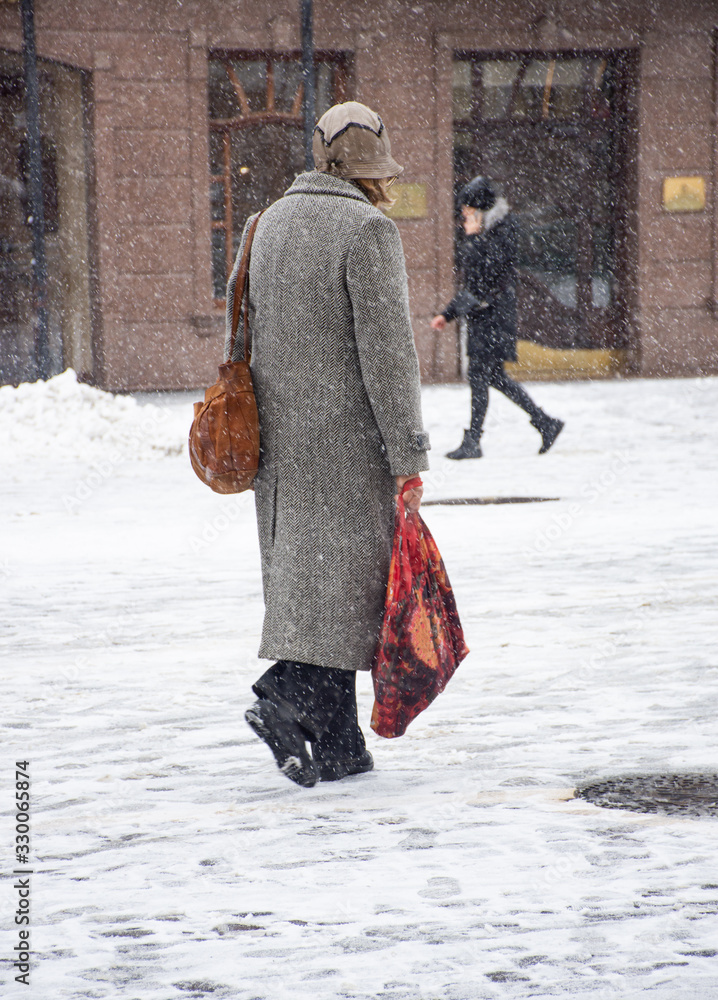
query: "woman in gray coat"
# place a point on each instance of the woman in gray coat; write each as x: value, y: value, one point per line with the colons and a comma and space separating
x: 337, y: 383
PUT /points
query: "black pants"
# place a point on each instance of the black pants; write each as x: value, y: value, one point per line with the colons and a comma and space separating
x: 322, y: 700
x: 489, y: 372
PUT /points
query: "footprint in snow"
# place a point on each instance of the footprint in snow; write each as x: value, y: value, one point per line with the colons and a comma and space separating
x: 440, y: 888
x: 418, y: 839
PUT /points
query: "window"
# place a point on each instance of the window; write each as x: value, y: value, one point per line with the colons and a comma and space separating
x: 530, y: 88
x: 256, y: 142
x: 553, y: 130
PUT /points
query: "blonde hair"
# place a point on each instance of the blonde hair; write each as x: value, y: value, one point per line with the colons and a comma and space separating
x: 377, y: 190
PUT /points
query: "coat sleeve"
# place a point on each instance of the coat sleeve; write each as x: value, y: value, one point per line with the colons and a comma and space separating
x: 462, y: 304
x: 377, y: 286
x: 453, y: 309
x: 463, y: 301
x: 238, y: 354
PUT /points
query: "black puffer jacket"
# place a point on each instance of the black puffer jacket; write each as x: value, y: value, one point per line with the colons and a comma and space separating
x: 488, y: 297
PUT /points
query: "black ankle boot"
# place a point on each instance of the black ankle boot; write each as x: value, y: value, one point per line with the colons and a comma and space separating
x: 286, y: 741
x: 335, y: 770
x: 469, y: 447
x: 549, y: 429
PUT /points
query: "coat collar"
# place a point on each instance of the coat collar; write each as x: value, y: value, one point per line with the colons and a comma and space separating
x: 313, y: 182
x: 494, y: 215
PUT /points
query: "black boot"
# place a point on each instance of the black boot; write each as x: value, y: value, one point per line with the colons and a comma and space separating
x: 469, y: 447
x: 335, y: 770
x: 549, y: 429
x: 285, y: 739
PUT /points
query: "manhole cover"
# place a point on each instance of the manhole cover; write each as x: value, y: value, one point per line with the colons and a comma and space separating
x: 670, y: 794
x: 482, y: 501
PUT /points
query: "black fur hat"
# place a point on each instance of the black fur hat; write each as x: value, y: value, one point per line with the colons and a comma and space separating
x: 478, y: 193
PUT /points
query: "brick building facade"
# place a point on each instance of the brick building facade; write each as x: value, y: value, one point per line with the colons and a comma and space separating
x: 597, y: 121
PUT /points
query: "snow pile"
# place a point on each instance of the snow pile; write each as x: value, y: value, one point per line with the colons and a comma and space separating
x: 65, y: 419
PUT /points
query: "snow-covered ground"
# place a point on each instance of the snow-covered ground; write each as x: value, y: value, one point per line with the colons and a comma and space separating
x: 173, y: 860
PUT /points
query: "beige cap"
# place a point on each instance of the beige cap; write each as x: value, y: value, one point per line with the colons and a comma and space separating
x: 350, y: 141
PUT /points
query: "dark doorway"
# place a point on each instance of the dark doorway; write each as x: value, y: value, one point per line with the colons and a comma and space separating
x: 556, y: 131
x: 65, y: 190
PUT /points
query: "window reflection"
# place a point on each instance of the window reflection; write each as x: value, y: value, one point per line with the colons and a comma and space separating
x: 287, y: 82
x: 216, y: 201
x: 531, y: 89
x: 462, y: 89
x: 219, y: 256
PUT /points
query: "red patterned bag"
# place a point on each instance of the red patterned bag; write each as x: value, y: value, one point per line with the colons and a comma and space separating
x: 421, y: 642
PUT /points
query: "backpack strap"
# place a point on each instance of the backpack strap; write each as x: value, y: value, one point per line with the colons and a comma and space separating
x: 241, y: 293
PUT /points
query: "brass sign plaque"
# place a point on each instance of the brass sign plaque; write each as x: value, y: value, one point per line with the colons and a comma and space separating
x: 684, y: 194
x: 410, y: 201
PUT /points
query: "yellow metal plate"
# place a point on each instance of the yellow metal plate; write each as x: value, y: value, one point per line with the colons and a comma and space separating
x: 410, y: 201
x: 536, y: 363
x: 684, y: 194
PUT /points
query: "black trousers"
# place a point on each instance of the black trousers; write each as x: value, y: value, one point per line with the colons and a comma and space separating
x: 322, y: 700
x: 485, y: 373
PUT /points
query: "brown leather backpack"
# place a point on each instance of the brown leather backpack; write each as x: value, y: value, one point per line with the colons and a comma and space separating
x: 224, y: 436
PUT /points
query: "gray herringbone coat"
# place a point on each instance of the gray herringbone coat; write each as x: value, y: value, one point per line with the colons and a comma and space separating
x: 337, y: 382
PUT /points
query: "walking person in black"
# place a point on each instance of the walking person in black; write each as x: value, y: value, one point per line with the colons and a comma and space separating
x: 488, y: 301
